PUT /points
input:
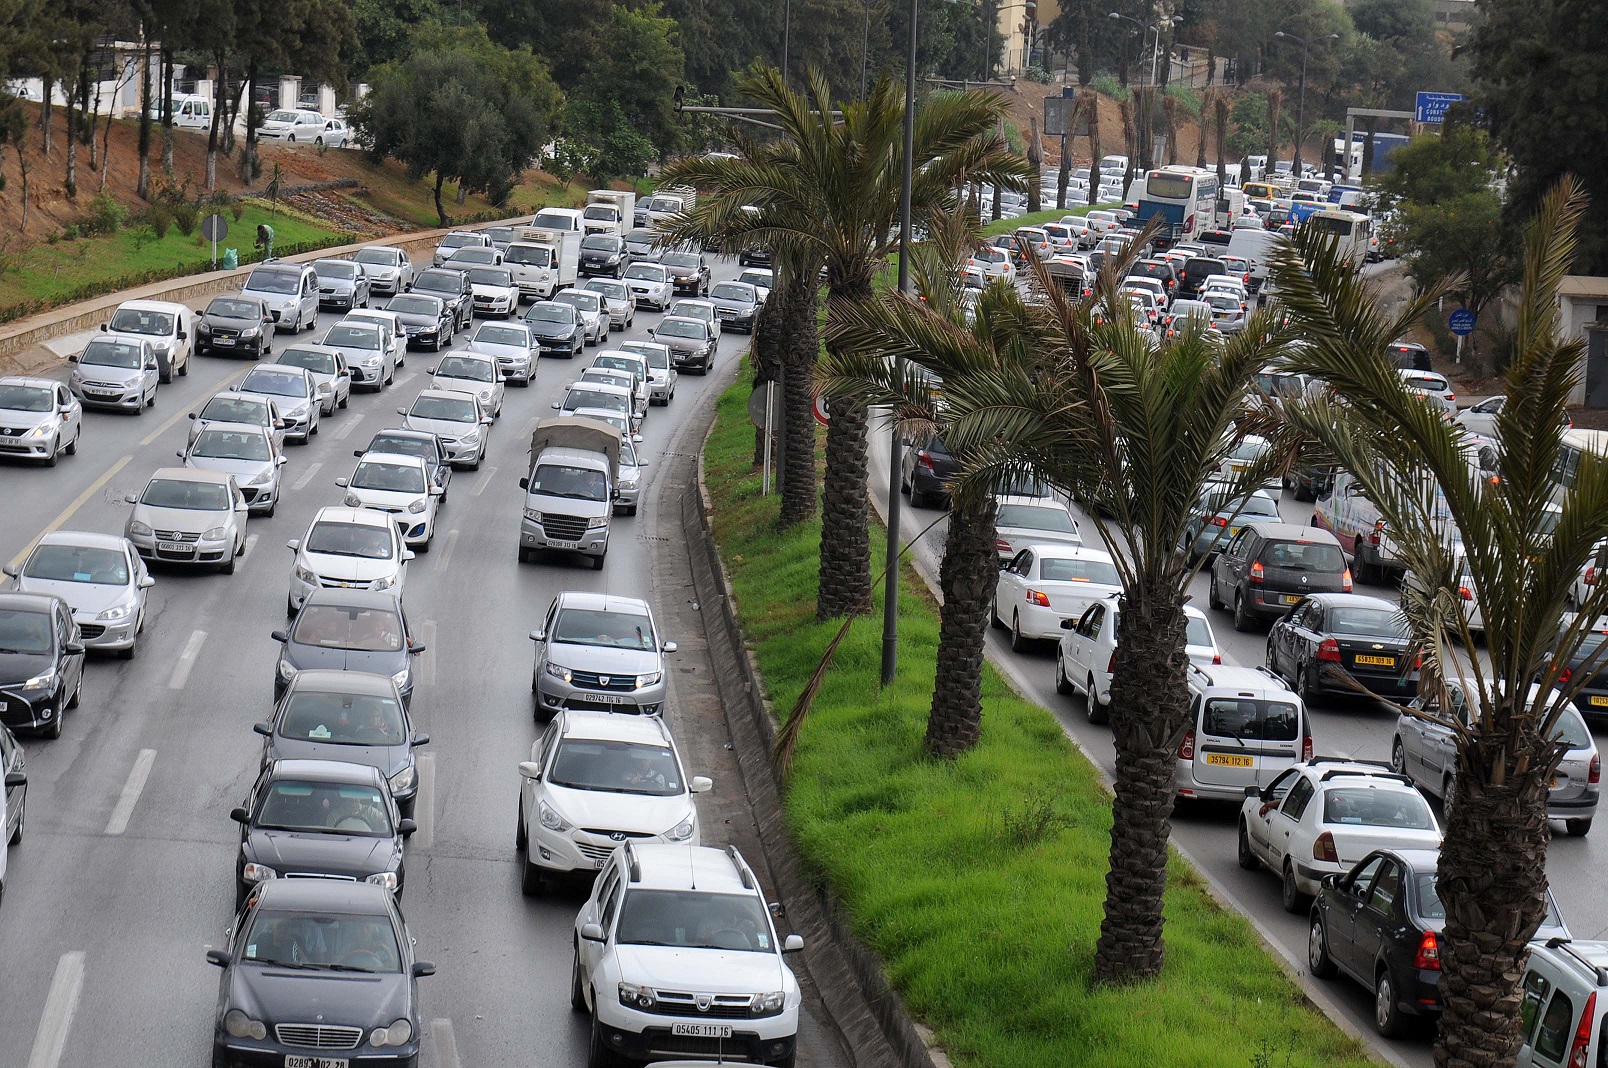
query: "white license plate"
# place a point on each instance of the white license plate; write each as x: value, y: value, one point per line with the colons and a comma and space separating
x: 10, y: 441
x: 598, y: 862
x: 102, y: 393
x: 223, y: 341
x: 608, y: 698
x: 552, y: 544
x: 174, y: 547
x: 296, y: 1060
x: 701, y: 1030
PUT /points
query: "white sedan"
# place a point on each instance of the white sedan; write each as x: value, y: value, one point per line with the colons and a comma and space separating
x: 1083, y: 663
x: 1046, y: 583
x: 401, y: 486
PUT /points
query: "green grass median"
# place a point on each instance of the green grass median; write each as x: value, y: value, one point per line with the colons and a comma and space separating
x: 979, y: 883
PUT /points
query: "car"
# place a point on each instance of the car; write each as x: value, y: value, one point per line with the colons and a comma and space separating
x: 1433, y: 387
x: 347, y: 548
x: 320, y: 819
x: 763, y: 279
x: 40, y: 419
x: 248, y: 453
x: 453, y: 288
x: 1587, y: 671
x: 1269, y: 567
x: 390, y: 326
x: 589, y: 306
x: 189, y: 516
x: 349, y: 630
x: 499, y: 236
x: 668, y: 928
x: 13, y: 797
x: 558, y: 328
x: 115, y: 373
x: 414, y: 443
x: 510, y: 346
x: 389, y: 269
x: 290, y: 291
x: 232, y: 324
x: 1381, y: 923
x: 993, y: 263
x: 1088, y: 645
x: 331, y: 377
x: 367, y: 353
x: 1152, y: 286
x: 639, y: 242
x: 662, y: 374
x: 336, y: 134
x: 1425, y: 749
x: 599, y: 651
x: 455, y: 240
x: 167, y: 326
x: 695, y: 308
x: 328, y: 714
x: 1228, y: 311
x: 1023, y: 520
x: 494, y: 291
x: 399, y: 486
x: 613, y: 397
x: 1046, y: 584
x: 1561, y: 1014
x: 617, y: 300
x: 1227, y: 283
x: 736, y: 304
x: 295, y: 943
x: 1182, y: 311
x: 100, y: 577
x: 650, y: 284
x: 1333, y: 643
x: 925, y: 471
x: 474, y: 373
x: 294, y: 393
x: 1408, y: 355
x: 1246, y: 728
x: 689, y: 272
x: 292, y: 124
x: 229, y: 408
x: 425, y: 321
x: 1323, y: 816
x: 628, y: 490
x: 594, y: 779
x: 631, y: 363
x: 41, y: 662
x: 467, y: 259
x: 604, y: 254
x: 342, y: 285
x: 691, y: 342
x: 1218, y: 515
x: 457, y: 418
x: 609, y: 376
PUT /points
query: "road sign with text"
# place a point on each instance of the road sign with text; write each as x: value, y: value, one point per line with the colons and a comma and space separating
x: 1431, y: 107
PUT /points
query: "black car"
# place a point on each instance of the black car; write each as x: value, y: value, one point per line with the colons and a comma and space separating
x: 41, y: 661
x: 557, y: 327
x: 1330, y: 641
x: 415, y: 443
x: 688, y: 272
x: 427, y: 319
x: 347, y: 715
x: 925, y: 471
x: 452, y: 287
x: 234, y: 325
x: 1269, y: 567
x: 1380, y: 923
x: 325, y: 819
x: 14, y: 772
x: 349, y: 630
x: 342, y: 285
x: 318, y: 972
x: 754, y: 256
x: 691, y: 341
x: 1195, y: 272
x: 1590, y: 658
x: 603, y: 254
x: 1162, y: 271
x: 1409, y: 356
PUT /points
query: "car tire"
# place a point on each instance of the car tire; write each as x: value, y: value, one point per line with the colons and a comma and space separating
x: 344, y: 401
x: 290, y: 607
x: 521, y: 836
x: 993, y: 614
x: 1577, y: 828
x: 1242, y: 853
x: 598, y: 1054
x: 1019, y: 644
x: 72, y: 446
x: 228, y: 566
x: 524, y: 555
x: 597, y: 561
x: 54, y: 728
x: 22, y: 818
x: 530, y: 879
x: 318, y: 142
x: 1094, y: 711
x: 1212, y: 599
x: 1319, y: 963
x: 1448, y: 795
x: 1306, y: 686
x: 1242, y: 618
x: 1362, y: 572
x: 1398, y: 757
x: 55, y: 453
x: 577, y: 992
x: 1290, y: 895
x: 1389, y: 1020
x: 78, y: 693
x: 1062, y: 684
x: 312, y: 429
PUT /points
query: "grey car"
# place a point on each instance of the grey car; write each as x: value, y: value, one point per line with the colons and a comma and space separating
x: 426, y: 318
x: 349, y: 630
x: 102, y: 579
x: 451, y: 286
x: 691, y: 342
x: 662, y: 373
x: 246, y: 452
x: 185, y: 516
x: 328, y: 368
x: 604, y: 254
x: 293, y: 391
x: 231, y: 407
x: 426, y: 447
x: 113, y: 373
x: 736, y: 304
x: 617, y: 299
x: 628, y: 490
x: 558, y: 328
x: 342, y: 285
x: 639, y: 243
x: 599, y: 651
x: 512, y: 345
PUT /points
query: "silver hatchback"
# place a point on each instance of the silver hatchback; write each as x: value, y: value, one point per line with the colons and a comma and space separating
x: 596, y: 651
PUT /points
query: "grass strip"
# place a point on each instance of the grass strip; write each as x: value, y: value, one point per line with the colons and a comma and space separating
x: 979, y: 883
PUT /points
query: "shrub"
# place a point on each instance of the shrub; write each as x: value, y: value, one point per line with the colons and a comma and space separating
x: 236, y: 209
x: 106, y: 216
x: 71, y: 232
x: 186, y: 215
x: 1108, y: 85
x: 159, y: 219
x: 1188, y: 99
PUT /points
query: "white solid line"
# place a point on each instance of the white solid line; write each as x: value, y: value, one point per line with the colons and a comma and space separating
x: 181, y: 670
x: 67, y: 512
x: 307, y: 475
x: 251, y: 543
x: 446, y: 550
x: 484, y: 482
x: 346, y: 428
x: 131, y: 792
x: 424, y: 803
x: 446, y: 1045
x: 530, y: 427
x: 405, y: 379
x: 426, y: 659
x: 60, y: 1005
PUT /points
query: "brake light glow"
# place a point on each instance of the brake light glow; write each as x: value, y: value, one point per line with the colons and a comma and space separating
x: 1579, y: 1048
x: 1591, y: 575
x: 1345, y: 581
x: 1040, y: 599
x: 1427, y: 959
x: 1323, y: 849
x: 1111, y: 665
x: 1565, y: 675
x: 1465, y: 593
x: 1329, y: 651
x: 924, y: 458
x: 1258, y: 572
x: 1186, y: 748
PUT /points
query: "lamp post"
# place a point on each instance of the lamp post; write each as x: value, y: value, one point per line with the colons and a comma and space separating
x: 1144, y: 28
x: 787, y: 33
x: 1300, y: 107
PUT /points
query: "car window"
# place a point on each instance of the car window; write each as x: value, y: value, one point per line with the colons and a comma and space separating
x: 1295, y: 804
x: 354, y: 942
x: 232, y: 445
x: 449, y: 409
x: 1090, y: 624
x: 605, y: 766
x: 322, y: 363
x: 349, y: 539
x: 1303, y: 556
x: 1386, y: 888
x: 1033, y: 517
x: 495, y: 334
x: 612, y: 630
x: 140, y: 321
x: 361, y: 337
x: 1373, y: 622
x: 342, y: 719
x: 1082, y: 569
x: 275, y: 383
x: 1535, y: 992
x: 551, y: 313
x: 1366, y: 807
x: 610, y: 897
x: 421, y: 446
x: 78, y: 563
x: 24, y: 631
x: 694, y: 919
x: 1363, y: 875
x: 20, y: 398
x: 288, y: 805
x: 371, y: 630
x: 273, y: 282
x: 1250, y: 718
x: 1552, y: 1035
x: 1280, y: 787
x: 463, y: 367
x: 99, y: 353
x: 178, y: 493
x: 383, y: 257
x: 388, y: 477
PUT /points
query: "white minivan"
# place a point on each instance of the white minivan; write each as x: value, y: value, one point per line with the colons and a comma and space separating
x: 1256, y: 246
x: 1246, y: 728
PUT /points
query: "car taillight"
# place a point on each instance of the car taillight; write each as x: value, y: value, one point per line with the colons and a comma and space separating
x: 1564, y: 676
x: 1186, y: 748
x: 1465, y: 593
x: 1373, y: 536
x: 1595, y: 774
x: 1418, y: 662
x: 1323, y: 849
x: 1591, y: 576
x: 1040, y: 599
x: 924, y: 458
x: 1451, y: 396
x: 1345, y: 581
x: 1258, y: 572
x: 1580, y: 1047
x: 1329, y: 650
x: 1428, y: 956
x: 1219, y: 521
x: 1306, y: 747
x: 1001, y: 545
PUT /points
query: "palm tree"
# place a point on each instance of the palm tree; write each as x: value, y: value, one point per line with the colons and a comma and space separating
x: 1522, y: 557
x: 832, y: 185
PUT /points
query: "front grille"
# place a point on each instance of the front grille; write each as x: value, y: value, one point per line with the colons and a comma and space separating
x: 220, y: 333
x: 176, y: 535
x: 319, y: 1036
x: 592, y: 680
x: 594, y: 852
x: 723, y: 1007
x: 564, y: 527
x: 248, y: 493
x: 90, y: 630
x: 729, y: 1048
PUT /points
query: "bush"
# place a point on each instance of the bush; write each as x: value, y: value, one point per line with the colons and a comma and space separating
x: 159, y: 219
x: 106, y: 216
x: 236, y: 210
x: 186, y: 215
x: 71, y: 232
x: 1188, y: 99
x: 1036, y: 73
x: 1108, y: 85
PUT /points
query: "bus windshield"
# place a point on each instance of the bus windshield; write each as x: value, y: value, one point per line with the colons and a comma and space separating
x: 1160, y: 184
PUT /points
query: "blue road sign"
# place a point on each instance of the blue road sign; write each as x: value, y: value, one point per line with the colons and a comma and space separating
x: 1431, y: 107
x: 1461, y: 322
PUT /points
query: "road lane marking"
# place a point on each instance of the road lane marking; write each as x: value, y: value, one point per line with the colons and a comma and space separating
x: 426, y: 671
x: 484, y: 482
x: 446, y: 549
x: 530, y: 427
x: 405, y: 379
x: 346, y: 428
x: 181, y: 670
x: 424, y: 803
x: 130, y: 796
x: 446, y: 1045
x: 182, y: 413
x: 307, y: 476
x: 67, y: 512
x: 60, y: 1005
x: 251, y: 543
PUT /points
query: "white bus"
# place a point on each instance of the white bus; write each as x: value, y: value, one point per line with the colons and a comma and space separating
x: 1575, y: 445
x: 1186, y: 200
x: 1350, y: 229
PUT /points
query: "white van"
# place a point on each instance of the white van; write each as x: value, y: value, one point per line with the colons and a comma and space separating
x: 1113, y: 164
x: 1255, y: 245
x: 559, y: 219
x: 1562, y: 984
x: 191, y: 112
x: 1246, y: 728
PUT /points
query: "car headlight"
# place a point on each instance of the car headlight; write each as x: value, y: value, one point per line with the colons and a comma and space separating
x: 250, y: 332
x: 768, y: 1004
x: 419, y: 505
x: 262, y: 479
x: 683, y: 830
x: 298, y: 412
x: 597, y: 522
x: 258, y: 873
x: 203, y: 328
x: 41, y: 682
x: 402, y: 781
x: 637, y: 997
x: 214, y: 534
x: 400, y: 678
x: 651, y: 678
x: 305, y: 575
x: 117, y: 611
x: 628, y: 483
x: 471, y: 437
x: 238, y: 1025
x: 374, y: 360
x: 383, y: 583
x: 400, y: 1030
x: 533, y: 515
x: 485, y: 395
x: 386, y: 879
x: 138, y: 529
x: 40, y: 430
x: 353, y: 501
x: 550, y: 818
x: 286, y: 672
x: 559, y: 671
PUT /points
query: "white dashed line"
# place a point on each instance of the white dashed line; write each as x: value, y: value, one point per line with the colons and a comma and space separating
x: 446, y: 549
x: 181, y: 670
x: 124, y: 809
x: 60, y: 1005
x: 251, y: 543
x: 307, y: 475
x: 425, y: 669
x: 485, y: 481
x: 446, y: 1045
x: 347, y: 427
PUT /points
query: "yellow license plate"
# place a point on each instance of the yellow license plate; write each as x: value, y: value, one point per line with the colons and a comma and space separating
x: 1229, y: 761
x: 1599, y: 701
x: 1290, y: 598
x: 1376, y: 661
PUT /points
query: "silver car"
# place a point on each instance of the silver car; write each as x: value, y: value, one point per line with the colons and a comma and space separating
x: 342, y: 285
x: 294, y: 392
x: 589, y: 306
x: 454, y: 417
x: 512, y: 345
x: 246, y: 452
x: 1026, y: 520
x: 102, y: 579
x: 598, y: 651
x: 628, y: 490
x: 389, y: 270
x: 617, y: 299
x: 662, y: 373
x: 328, y: 368
x: 115, y: 373
x: 368, y: 353
x: 39, y: 419
x: 229, y: 407
x: 650, y: 284
x: 471, y: 373
x: 184, y: 516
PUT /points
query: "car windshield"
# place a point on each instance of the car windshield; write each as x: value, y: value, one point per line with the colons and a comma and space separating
x: 491, y: 276
x: 368, y: 630
x: 1277, y: 385
x: 438, y: 282
x: 15, y: 398
x: 600, y: 211
x: 1082, y: 569
x: 24, y: 631
x: 528, y: 255
x: 583, y: 299
x: 78, y: 563
x: 1250, y: 718
x: 275, y: 383
x: 658, y: 359
x: 1033, y: 517
x: 685, y: 260
x: 111, y: 354
x: 460, y: 240
x: 133, y: 321
x: 342, y: 719
x: 274, y: 282
x: 639, y: 237
x: 1370, y: 622
x: 680, y: 328
x: 354, y: 337
x: 693, y: 919
x: 551, y: 313
x: 594, y: 398
x: 391, y: 478
x: 578, y: 483
x: 320, y: 363
x: 1304, y: 556
x: 231, y: 445
x: 316, y: 807
x: 234, y: 308
x: 1360, y: 806
x: 611, y: 630
x: 384, y: 257
x: 645, y: 271
x: 495, y: 334
x: 616, y: 767
x: 349, y: 539
x: 341, y: 941
x: 235, y: 410
x: 464, y: 367
x: 415, y: 305
x: 407, y: 446
x: 282, y: 116
x: 344, y: 269
x: 1571, y: 730
x: 450, y: 409
x: 618, y: 363
x: 601, y: 242
x: 179, y: 493
x: 732, y: 291
x: 762, y: 279
x: 479, y: 254
x: 612, y: 290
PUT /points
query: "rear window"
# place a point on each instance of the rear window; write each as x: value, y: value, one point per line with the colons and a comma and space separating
x: 1201, y: 268
x: 1250, y: 719
x: 1364, y: 807
x: 1080, y: 570
x: 1197, y: 631
x: 1303, y: 556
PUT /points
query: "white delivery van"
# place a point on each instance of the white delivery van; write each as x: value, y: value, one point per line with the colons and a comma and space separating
x: 543, y: 261
x: 1256, y: 246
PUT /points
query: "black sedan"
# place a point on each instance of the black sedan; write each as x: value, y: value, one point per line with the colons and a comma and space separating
x: 41, y: 661
x: 603, y: 254
x: 349, y: 630
x: 14, y: 771
x: 1328, y: 640
x: 557, y: 327
x: 688, y: 272
x: 234, y: 326
x: 347, y: 715
x: 319, y: 818
x: 427, y: 319
x: 414, y: 443
x: 452, y: 287
x: 318, y: 972
x: 1380, y: 923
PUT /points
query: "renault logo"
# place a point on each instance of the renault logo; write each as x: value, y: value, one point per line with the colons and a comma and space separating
x: 704, y: 1001
x: 1303, y: 580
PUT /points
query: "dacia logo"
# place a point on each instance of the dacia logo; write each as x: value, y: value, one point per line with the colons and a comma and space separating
x: 603, y: 679
x: 704, y: 1001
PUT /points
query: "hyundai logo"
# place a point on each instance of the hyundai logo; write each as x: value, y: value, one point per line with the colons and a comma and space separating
x: 618, y: 836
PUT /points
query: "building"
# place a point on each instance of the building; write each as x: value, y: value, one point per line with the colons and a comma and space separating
x: 1583, y: 315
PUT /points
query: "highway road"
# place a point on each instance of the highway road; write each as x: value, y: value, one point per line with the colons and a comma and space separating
x: 126, y: 872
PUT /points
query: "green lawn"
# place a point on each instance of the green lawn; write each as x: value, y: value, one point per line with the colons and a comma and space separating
x: 985, y: 925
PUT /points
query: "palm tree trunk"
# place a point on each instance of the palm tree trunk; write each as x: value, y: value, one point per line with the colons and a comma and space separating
x: 44, y: 114
x: 1035, y: 158
x: 845, y: 571
x: 142, y: 185
x: 70, y: 179
x: 966, y: 578
x: 802, y: 331
x: 1200, y: 147
x: 1094, y: 148
x: 1149, y: 706
x: 167, y: 111
x: 220, y: 91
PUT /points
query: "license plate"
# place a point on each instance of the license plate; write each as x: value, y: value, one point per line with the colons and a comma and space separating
x: 102, y: 393
x: 1290, y: 598
x: 552, y: 544
x: 1599, y: 701
x: 174, y: 547
x: 608, y: 698
x: 1376, y: 661
x: 295, y: 1060
x: 10, y: 441
x: 1228, y: 760
x: 223, y: 341
x: 701, y: 1030
x: 598, y: 862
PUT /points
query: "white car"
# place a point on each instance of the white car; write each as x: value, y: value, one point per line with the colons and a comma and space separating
x: 347, y: 548
x: 367, y: 352
x: 1045, y: 584
x: 170, y: 328
x: 289, y: 290
x: 389, y: 269
x: 249, y: 453
x: 1323, y: 816
x: 1226, y: 283
x: 1023, y: 520
x: 1228, y: 311
x: 102, y: 579
x: 399, y: 486
x: 763, y: 279
x: 1250, y: 449
x: 633, y: 363
x: 993, y: 263
x: 389, y: 324
x: 456, y: 240
x: 336, y: 134
x: 456, y: 418
x: 594, y: 779
x: 617, y: 299
x: 293, y: 124
x: 495, y: 291
x: 471, y: 373
x: 39, y: 419
x: 329, y: 371
x: 589, y: 306
x: 1083, y: 663
x: 1432, y: 386
x: 650, y: 284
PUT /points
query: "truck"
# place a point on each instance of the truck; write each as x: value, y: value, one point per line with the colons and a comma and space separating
x: 668, y: 203
x: 608, y: 211
x: 543, y: 261
x: 1068, y: 274
x: 558, y: 219
x: 570, y: 488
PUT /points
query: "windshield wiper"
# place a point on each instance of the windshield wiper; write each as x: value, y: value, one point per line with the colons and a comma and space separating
x: 301, y: 966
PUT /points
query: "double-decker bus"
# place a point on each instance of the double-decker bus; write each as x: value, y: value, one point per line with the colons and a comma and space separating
x: 1184, y: 197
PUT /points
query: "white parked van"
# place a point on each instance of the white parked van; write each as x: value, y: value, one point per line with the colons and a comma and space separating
x: 1246, y: 728
x: 1255, y: 245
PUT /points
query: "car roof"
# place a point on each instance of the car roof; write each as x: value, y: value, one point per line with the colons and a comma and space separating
x: 662, y: 865
x: 1292, y: 532
x: 1352, y: 600
x: 616, y: 727
x: 358, y: 324
x: 1318, y: 767
x: 1235, y: 677
x: 87, y: 538
x: 602, y: 602
x: 606, y: 387
x: 190, y: 474
x: 152, y: 305
x: 341, y: 771
x: 335, y: 680
x: 400, y: 432
x: 399, y: 459
x: 304, y: 346
x: 444, y: 394
x: 26, y: 380
x: 27, y: 602
x: 341, y: 598
x: 682, y: 319
x: 339, y: 513
x: 324, y: 895
x: 279, y: 268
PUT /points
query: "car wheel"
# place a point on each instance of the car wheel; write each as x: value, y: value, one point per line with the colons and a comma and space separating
x: 1019, y: 644
x: 1290, y: 895
x: 597, y: 561
x: 1306, y: 685
x: 423, y: 546
x: 272, y: 508
x: 1388, y: 1018
x: 54, y: 454
x: 530, y: 879
x: 54, y: 728
x: 228, y: 566
x: 344, y: 401
x: 1094, y: 711
x: 577, y: 992
x: 318, y: 142
x: 390, y: 378
x: 521, y: 836
x: 598, y: 1054
x: 22, y: 817
x: 1242, y: 618
x: 1577, y: 828
x: 1062, y: 684
x: 291, y: 139
x: 993, y: 614
x: 72, y: 446
x: 1319, y: 963
x: 1448, y: 795
x: 1243, y: 854
x: 1361, y: 571
x: 1211, y: 593
x: 312, y: 431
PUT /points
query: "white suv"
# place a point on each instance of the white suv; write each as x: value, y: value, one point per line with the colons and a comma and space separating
x: 594, y: 780
x: 675, y: 955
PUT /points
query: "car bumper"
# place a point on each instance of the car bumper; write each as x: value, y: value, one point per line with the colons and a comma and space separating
x: 554, y: 693
x: 337, y: 300
x: 200, y: 552
x: 1186, y: 785
x: 418, y: 339
x: 659, y: 391
x: 299, y: 427
x: 499, y: 306
x: 926, y: 481
x: 591, y: 270
x: 230, y: 346
x: 29, y: 708
x: 644, y: 1037
x: 244, y: 1053
x: 618, y: 317
x: 557, y: 346
x: 132, y: 397
x: 1582, y: 806
x: 1039, y: 622
x: 368, y: 376
x: 735, y: 322
x: 27, y: 448
x: 594, y: 542
x: 1269, y: 604
x: 388, y: 286
x: 1384, y: 684
x: 460, y: 453
x: 654, y: 298
x: 689, y: 359
x: 519, y: 370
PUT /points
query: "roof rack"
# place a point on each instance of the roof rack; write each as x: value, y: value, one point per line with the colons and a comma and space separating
x: 742, y: 867
x: 1350, y: 760
x: 1597, y: 970
x: 1339, y: 772
x: 634, y: 865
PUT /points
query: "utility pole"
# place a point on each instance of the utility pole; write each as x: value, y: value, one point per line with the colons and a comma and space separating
x: 1300, y: 106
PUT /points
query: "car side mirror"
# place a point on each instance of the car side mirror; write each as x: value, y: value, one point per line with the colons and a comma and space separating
x: 294, y: 544
x: 1069, y: 624
x: 1253, y: 791
x: 264, y: 728
x: 407, y: 554
x: 487, y: 421
x: 15, y: 779
x: 342, y: 481
x: 793, y: 943
x: 668, y: 647
x: 150, y: 365
x: 239, y: 815
x: 524, y: 482
x: 11, y: 569
x: 592, y: 932
x: 401, y: 411
x: 701, y: 784
x: 281, y: 461
x: 183, y: 336
x: 415, y: 648
x: 74, y: 359
x: 556, y: 406
x: 104, y: 328
x: 130, y: 499
x: 193, y: 415
x: 422, y: 968
x: 73, y: 648
x: 420, y: 738
x: 219, y: 957
x: 279, y: 636
x: 146, y: 582
x: 530, y: 769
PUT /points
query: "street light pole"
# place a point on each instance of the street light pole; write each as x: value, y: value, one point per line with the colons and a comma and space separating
x: 865, y: 47
x: 787, y: 33
x: 1300, y: 107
